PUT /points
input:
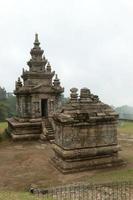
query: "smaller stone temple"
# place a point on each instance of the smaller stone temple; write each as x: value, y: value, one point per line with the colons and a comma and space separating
x: 85, y: 134
x: 38, y: 96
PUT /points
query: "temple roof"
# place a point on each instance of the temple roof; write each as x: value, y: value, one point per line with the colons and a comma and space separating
x: 38, y: 62
x: 85, y: 109
x: 39, y: 73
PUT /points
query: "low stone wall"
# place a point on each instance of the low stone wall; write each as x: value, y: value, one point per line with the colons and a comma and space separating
x: 86, y: 191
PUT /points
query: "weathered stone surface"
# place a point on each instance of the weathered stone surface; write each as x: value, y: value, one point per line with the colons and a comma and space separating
x: 85, y: 134
x: 38, y: 95
x: 24, y: 130
x: 70, y: 166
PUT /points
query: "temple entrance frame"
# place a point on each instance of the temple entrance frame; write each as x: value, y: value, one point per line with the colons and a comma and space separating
x: 44, y: 107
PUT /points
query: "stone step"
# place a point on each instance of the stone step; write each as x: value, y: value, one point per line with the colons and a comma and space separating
x: 27, y: 132
x: 50, y: 137
x: 52, y: 141
x: 50, y: 131
x: 48, y: 126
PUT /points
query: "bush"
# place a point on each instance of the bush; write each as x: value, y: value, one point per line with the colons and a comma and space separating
x: 3, y: 131
x: 3, y: 111
x: 7, y: 108
x: 11, y: 103
x: 5, y: 136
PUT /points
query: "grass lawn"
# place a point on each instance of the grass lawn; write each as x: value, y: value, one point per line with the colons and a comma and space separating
x: 3, y: 126
x: 19, y: 196
x: 125, y: 127
x: 113, y: 175
x: 16, y: 196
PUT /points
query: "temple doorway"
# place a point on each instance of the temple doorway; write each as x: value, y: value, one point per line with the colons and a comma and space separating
x: 44, y: 107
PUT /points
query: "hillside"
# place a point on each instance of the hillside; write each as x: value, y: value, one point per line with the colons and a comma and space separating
x: 125, y: 112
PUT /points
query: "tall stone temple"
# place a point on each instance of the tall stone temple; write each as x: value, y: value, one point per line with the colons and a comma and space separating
x: 38, y: 96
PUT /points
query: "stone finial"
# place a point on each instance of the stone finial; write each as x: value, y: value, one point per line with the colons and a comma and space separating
x: 36, y: 53
x: 18, y: 83
x: 85, y: 95
x: 44, y: 63
x: 95, y: 98
x: 23, y: 71
x: 73, y: 94
x: 48, y: 67
x: 44, y: 59
x: 56, y: 81
x: 56, y: 77
x: 36, y: 42
x: 18, y: 79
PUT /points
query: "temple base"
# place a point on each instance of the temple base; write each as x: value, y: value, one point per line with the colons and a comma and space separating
x: 24, y: 130
x: 69, y: 161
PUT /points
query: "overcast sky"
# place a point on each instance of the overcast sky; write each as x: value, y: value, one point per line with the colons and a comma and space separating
x: 89, y: 43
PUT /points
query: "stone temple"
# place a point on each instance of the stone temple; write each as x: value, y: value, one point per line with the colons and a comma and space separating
x: 85, y: 134
x: 83, y: 131
x: 38, y: 96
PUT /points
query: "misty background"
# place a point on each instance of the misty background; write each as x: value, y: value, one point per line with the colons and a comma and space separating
x: 88, y: 43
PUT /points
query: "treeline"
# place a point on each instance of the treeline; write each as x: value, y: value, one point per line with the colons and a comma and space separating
x: 7, y: 105
x: 125, y: 112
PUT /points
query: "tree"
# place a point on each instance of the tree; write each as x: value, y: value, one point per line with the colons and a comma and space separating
x: 3, y: 111
x: 7, y: 104
x: 2, y: 93
x: 11, y: 102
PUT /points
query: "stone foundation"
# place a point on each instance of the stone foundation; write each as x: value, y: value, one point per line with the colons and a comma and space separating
x: 70, y: 166
x: 75, y: 160
x: 22, y: 129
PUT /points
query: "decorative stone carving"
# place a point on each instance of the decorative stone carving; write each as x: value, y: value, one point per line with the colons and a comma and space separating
x: 73, y: 95
x: 84, y: 93
x: 56, y: 81
x: 48, y: 67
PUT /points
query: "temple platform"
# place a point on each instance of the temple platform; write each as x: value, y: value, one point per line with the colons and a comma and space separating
x: 76, y: 160
x: 21, y: 130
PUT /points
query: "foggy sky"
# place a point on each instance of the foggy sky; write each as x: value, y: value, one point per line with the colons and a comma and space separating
x: 89, y: 43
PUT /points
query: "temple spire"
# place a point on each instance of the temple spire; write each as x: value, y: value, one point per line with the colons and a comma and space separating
x: 36, y: 43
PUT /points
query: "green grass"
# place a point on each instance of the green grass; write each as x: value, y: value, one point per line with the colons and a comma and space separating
x: 6, y: 195
x: 16, y: 196
x: 113, y: 176
x: 125, y: 127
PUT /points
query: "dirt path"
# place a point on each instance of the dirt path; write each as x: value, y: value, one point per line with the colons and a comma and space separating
x: 23, y: 164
